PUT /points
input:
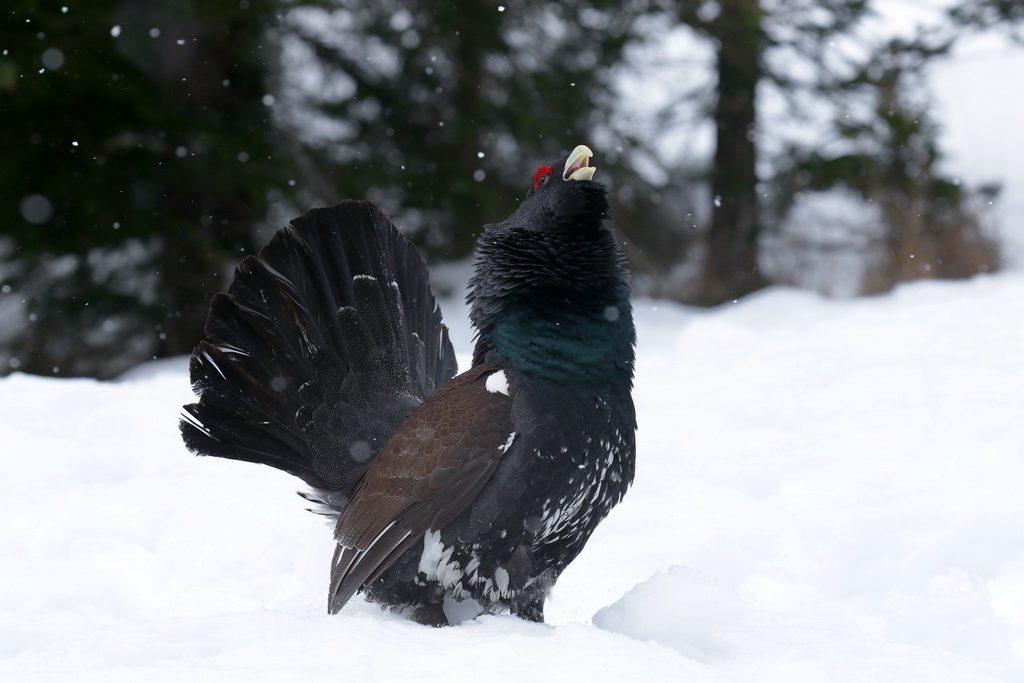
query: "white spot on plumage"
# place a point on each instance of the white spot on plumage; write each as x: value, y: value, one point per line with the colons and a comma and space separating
x: 501, y: 578
x: 436, y: 561
x: 497, y: 383
x: 508, y: 443
x: 587, y: 496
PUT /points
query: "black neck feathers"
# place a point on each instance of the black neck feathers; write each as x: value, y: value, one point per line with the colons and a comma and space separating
x: 550, y: 295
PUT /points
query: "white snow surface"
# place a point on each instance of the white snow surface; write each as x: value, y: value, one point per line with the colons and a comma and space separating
x: 826, y: 490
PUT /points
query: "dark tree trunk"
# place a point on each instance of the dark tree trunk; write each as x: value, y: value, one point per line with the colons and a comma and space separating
x: 479, y: 29
x: 730, y: 268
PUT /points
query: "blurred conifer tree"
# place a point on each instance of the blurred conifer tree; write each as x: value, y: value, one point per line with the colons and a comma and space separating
x: 436, y: 110
x: 146, y: 142
x: 139, y: 157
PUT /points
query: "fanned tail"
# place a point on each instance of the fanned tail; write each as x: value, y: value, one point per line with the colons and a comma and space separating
x: 321, y: 347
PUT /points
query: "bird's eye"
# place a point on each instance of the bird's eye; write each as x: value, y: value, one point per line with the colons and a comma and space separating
x: 542, y: 176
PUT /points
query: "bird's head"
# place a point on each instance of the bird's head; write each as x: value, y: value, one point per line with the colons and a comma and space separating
x: 556, y: 237
x: 563, y: 194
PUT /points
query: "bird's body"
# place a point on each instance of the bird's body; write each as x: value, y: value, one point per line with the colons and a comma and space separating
x: 453, y: 495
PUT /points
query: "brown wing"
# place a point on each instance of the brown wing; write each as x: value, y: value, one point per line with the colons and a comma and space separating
x: 427, y: 473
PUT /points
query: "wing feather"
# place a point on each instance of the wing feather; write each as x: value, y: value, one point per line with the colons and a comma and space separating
x: 426, y: 475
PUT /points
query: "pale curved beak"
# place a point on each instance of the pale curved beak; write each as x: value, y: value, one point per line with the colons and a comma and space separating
x: 577, y: 166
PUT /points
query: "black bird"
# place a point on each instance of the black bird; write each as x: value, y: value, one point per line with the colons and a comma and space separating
x: 453, y: 496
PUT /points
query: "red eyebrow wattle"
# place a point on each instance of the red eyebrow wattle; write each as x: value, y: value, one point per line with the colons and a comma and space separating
x: 542, y: 171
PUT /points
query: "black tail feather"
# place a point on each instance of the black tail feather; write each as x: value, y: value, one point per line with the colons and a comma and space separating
x: 322, y: 346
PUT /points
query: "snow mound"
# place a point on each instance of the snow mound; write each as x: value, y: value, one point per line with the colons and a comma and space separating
x: 843, y: 477
x: 680, y: 608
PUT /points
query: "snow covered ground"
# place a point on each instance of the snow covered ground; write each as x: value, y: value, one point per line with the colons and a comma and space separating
x: 826, y: 491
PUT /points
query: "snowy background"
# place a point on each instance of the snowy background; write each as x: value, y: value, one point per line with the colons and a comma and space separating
x: 826, y: 491
x: 983, y: 126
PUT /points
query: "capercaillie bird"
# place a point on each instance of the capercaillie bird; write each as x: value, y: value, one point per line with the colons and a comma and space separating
x: 452, y: 495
